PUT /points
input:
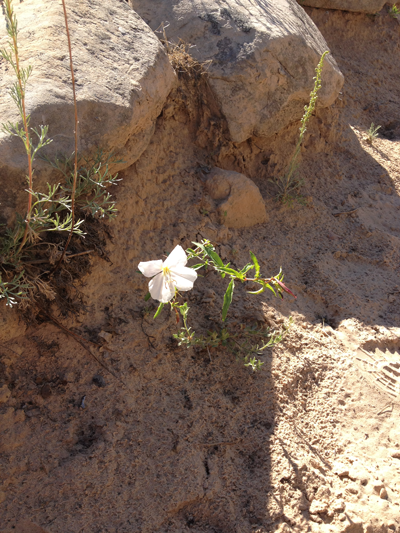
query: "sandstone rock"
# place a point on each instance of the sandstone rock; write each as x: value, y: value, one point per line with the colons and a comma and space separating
x: 123, y: 77
x: 240, y: 202
x: 323, y: 493
x: 340, y: 469
x: 352, y: 524
x: 361, y: 6
x: 338, y: 506
x: 263, y: 57
x: 318, y: 507
x: 359, y: 473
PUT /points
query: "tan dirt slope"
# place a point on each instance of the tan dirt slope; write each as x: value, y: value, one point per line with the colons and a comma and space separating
x: 191, y: 442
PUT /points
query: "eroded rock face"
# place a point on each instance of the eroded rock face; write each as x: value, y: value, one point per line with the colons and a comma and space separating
x: 263, y: 56
x: 240, y: 204
x: 361, y: 6
x: 123, y: 78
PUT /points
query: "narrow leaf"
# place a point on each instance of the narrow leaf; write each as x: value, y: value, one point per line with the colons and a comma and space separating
x: 196, y: 267
x: 214, y: 256
x: 246, y: 268
x: 227, y: 299
x: 271, y: 288
x: 160, y: 308
x: 230, y: 271
x: 147, y: 297
x: 256, y: 264
x: 257, y: 292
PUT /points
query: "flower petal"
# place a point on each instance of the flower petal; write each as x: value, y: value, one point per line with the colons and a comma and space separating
x: 150, y: 268
x: 160, y: 289
x: 183, y: 277
x: 176, y: 257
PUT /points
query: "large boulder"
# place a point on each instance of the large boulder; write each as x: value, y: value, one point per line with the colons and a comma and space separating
x: 123, y: 78
x: 361, y: 6
x: 263, y: 56
x: 239, y: 201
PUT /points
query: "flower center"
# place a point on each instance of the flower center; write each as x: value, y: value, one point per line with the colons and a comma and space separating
x: 166, y: 272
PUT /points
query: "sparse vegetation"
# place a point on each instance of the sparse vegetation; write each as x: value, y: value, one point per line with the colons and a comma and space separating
x: 246, y: 343
x: 165, y: 286
x: 372, y: 133
x: 29, y: 243
x: 394, y: 11
x: 289, y: 184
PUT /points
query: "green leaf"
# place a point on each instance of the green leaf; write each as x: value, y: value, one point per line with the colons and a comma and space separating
x: 270, y: 288
x: 257, y: 292
x: 147, y: 297
x: 184, y: 309
x: 229, y: 271
x: 160, y: 308
x: 196, y: 267
x: 246, y: 268
x: 199, y: 245
x: 214, y: 256
x: 257, y: 266
x: 227, y: 299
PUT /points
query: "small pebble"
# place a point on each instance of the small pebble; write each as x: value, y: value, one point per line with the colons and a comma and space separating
x: 105, y: 335
x: 352, y: 490
x: 378, y: 486
x: 383, y: 494
x: 99, y: 380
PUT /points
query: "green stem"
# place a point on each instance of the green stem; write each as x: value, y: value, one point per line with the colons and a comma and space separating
x: 13, y: 31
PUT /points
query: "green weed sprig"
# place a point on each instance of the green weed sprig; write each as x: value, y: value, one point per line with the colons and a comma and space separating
x: 289, y: 184
x: 372, y: 133
x: 394, y: 12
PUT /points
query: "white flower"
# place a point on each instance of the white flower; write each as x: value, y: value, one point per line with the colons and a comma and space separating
x: 168, y: 275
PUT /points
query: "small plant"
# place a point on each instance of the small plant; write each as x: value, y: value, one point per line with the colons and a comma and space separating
x: 246, y: 343
x: 17, y: 93
x: 394, y: 12
x: 93, y: 176
x: 172, y: 275
x: 29, y: 242
x: 372, y: 134
x: 289, y: 184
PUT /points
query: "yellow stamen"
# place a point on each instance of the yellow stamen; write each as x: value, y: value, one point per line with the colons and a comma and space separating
x: 166, y: 272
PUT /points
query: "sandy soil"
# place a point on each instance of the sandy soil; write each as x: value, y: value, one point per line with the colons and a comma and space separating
x: 177, y: 440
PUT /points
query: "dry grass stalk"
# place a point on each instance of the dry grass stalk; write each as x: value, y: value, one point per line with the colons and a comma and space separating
x: 76, y: 139
x: 183, y: 62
